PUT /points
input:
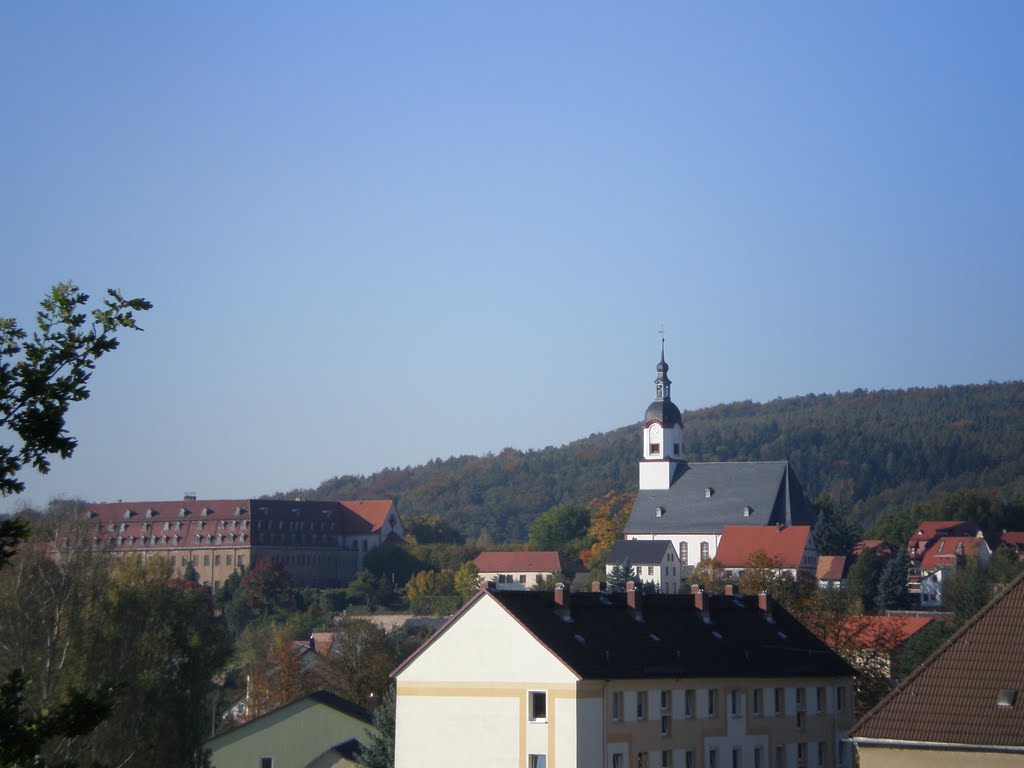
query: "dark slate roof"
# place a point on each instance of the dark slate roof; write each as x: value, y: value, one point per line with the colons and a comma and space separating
x: 952, y: 697
x: 602, y: 638
x: 769, y: 488
x: 664, y: 411
x: 638, y: 552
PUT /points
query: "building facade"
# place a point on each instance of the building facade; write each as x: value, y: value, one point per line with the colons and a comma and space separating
x: 322, y: 543
x: 519, y: 570
x: 654, y: 562
x: 560, y: 680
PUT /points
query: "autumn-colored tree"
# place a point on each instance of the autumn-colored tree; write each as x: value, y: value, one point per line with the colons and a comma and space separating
x: 277, y: 680
x: 360, y: 661
x: 267, y: 587
x: 764, y: 573
x: 608, y: 517
x: 710, y: 574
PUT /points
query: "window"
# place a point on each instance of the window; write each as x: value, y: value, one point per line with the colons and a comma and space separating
x: 691, y: 759
x: 819, y: 699
x: 840, y: 698
x: 641, y: 705
x: 758, y: 695
x: 538, y: 761
x: 780, y: 757
x: 780, y: 700
x: 240, y: 560
x: 758, y: 757
x: 734, y: 703
x: 183, y: 560
x: 800, y: 722
x: 666, y: 725
x: 206, y: 559
x: 841, y: 757
x: 538, y: 705
x: 737, y: 757
x: 689, y: 706
x: 643, y: 760
x: 617, y: 706
x: 618, y: 760
x: 705, y: 550
x: 216, y: 559
x: 801, y: 751
x: 266, y: 762
x: 821, y: 754
x: 684, y: 553
x: 522, y: 578
x: 713, y: 758
x: 666, y: 701
x: 650, y: 570
x: 712, y: 695
x: 655, y: 448
x: 228, y: 557
x: 799, y: 697
x: 666, y: 758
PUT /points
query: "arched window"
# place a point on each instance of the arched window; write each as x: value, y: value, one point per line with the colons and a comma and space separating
x: 705, y: 550
x: 684, y: 553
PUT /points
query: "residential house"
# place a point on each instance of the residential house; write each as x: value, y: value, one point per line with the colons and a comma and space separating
x: 963, y: 705
x: 832, y: 570
x: 654, y: 562
x: 318, y: 731
x: 321, y: 543
x: 690, y: 503
x: 875, y: 642
x: 791, y: 548
x: 520, y: 570
x: 559, y: 680
x: 936, y: 549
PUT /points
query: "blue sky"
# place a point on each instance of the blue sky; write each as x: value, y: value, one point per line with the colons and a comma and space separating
x: 375, y: 234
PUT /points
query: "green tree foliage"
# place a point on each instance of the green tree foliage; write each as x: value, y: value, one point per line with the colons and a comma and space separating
x: 763, y: 573
x: 834, y: 534
x: 467, y: 580
x: 43, y: 374
x: 966, y: 589
x: 431, y: 529
x: 892, y: 583
x: 370, y: 590
x: 563, y: 529
x: 380, y: 752
x: 922, y: 645
x: 1004, y: 566
x: 863, y: 577
x: 620, y: 574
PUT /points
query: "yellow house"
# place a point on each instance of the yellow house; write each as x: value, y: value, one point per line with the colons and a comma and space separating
x: 557, y: 680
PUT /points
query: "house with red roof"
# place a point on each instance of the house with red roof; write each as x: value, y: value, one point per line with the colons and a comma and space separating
x: 791, y: 547
x: 937, y: 548
x: 520, y: 570
x: 875, y: 641
x: 832, y: 569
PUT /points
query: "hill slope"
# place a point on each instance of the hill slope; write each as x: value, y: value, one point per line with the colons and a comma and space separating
x: 875, y: 451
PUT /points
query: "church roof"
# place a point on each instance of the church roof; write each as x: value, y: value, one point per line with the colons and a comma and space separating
x: 664, y: 411
x: 704, y: 497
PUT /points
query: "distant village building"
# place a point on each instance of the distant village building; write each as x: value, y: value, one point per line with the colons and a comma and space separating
x: 321, y: 543
x: 654, y: 562
x: 936, y: 549
x: 520, y: 570
x: 526, y: 679
x: 964, y: 705
x: 790, y: 548
x: 690, y: 503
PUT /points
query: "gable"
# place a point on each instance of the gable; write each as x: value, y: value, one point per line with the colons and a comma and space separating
x: 485, y: 644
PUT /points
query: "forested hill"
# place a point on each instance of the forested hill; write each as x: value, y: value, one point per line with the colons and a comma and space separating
x: 874, y: 452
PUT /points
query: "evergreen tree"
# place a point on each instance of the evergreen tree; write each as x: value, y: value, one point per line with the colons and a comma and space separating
x: 863, y: 578
x: 892, y: 583
x: 619, y: 575
x: 834, y: 534
x: 380, y: 752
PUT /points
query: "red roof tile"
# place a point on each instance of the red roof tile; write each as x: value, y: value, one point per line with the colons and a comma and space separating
x: 881, y: 548
x: 374, y: 512
x: 943, y: 552
x: 739, y: 542
x: 952, y: 697
x: 526, y: 562
x: 881, y: 632
x: 831, y: 567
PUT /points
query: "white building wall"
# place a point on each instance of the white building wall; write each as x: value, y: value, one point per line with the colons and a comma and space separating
x: 693, y: 542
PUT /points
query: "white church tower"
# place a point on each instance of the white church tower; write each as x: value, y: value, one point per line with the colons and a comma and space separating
x: 663, y: 434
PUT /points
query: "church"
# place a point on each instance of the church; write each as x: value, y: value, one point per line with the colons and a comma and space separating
x: 690, y: 503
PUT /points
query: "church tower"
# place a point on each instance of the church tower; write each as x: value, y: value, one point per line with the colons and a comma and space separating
x: 663, y: 434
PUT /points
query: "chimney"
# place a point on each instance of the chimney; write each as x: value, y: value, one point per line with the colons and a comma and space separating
x: 764, y: 605
x: 312, y: 643
x: 490, y: 585
x: 633, y: 598
x: 695, y: 588
x: 562, y: 596
x: 728, y: 590
x: 596, y: 586
x: 630, y: 586
x: 700, y: 601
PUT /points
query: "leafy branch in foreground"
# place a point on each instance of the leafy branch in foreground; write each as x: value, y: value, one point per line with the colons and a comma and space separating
x: 41, y: 375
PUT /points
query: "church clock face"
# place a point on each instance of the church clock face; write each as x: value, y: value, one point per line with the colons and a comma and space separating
x: 655, y: 433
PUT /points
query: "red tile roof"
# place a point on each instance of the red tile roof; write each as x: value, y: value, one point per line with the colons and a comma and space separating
x: 519, y: 562
x: 374, y: 512
x: 943, y: 552
x: 831, y: 567
x: 881, y: 548
x: 930, y: 529
x: 1012, y: 539
x: 884, y: 633
x: 739, y: 542
x: 952, y: 697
